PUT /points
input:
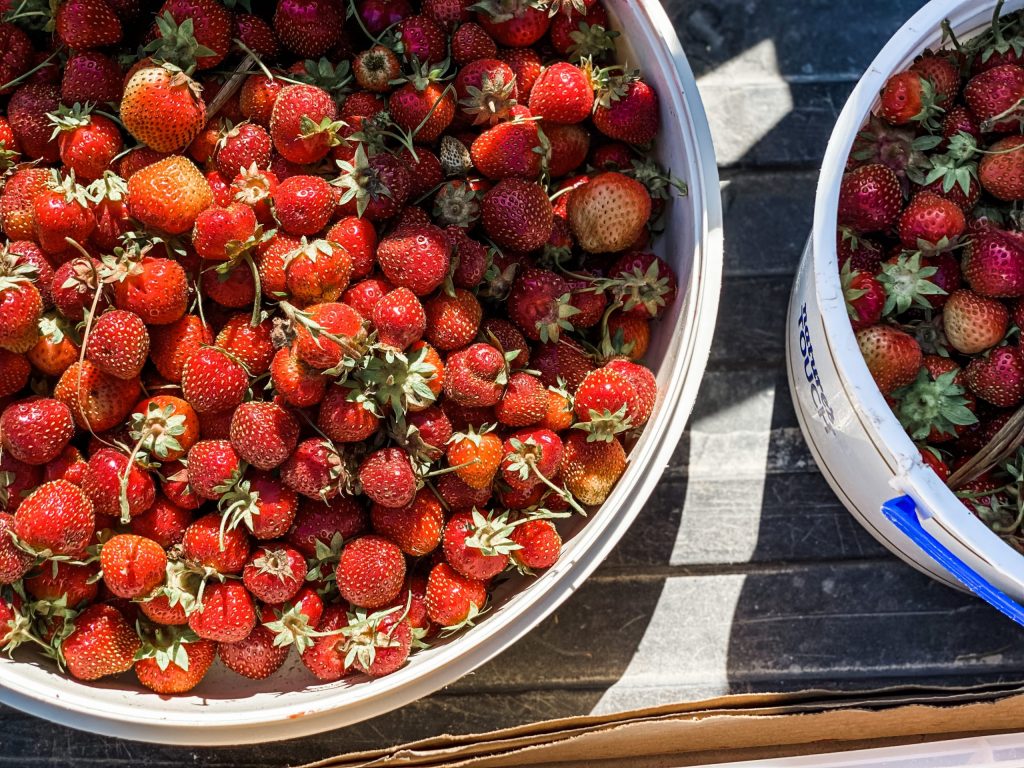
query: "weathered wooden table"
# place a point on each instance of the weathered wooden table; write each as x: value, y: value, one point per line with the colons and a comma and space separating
x: 743, y: 573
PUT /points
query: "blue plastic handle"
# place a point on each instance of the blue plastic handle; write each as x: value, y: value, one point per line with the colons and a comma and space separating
x: 902, y: 512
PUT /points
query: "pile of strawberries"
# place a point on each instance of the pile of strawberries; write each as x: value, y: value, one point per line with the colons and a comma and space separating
x: 931, y: 253
x: 314, y: 319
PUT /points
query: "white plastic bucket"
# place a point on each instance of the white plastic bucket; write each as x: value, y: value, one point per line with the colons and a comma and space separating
x: 859, y: 445
x: 228, y: 709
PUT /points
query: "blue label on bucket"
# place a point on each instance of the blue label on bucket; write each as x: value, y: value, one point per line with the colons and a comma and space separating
x: 818, y: 398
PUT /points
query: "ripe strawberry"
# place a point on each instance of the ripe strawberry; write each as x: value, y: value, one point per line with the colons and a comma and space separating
x: 929, y: 221
x: 974, y: 323
x: 942, y: 72
x: 164, y: 522
x: 252, y: 345
x: 162, y: 108
x: 345, y: 417
x: 227, y: 614
x: 213, y: 467
x: 539, y: 304
x: 516, y: 24
x: 591, y: 468
x: 241, y: 147
x: 452, y: 322
x: 84, y: 24
x: 263, y: 503
x: 1001, y: 173
x: 994, y: 263
x: 475, y: 376
x: 387, y: 478
x: 486, y: 91
x: 274, y: 573
x: 210, y: 27
x: 477, y: 455
x: 14, y: 372
x: 609, y: 212
x: 400, y: 318
x: 212, y: 380
x: 997, y: 378
x: 14, y: 562
x: 517, y: 214
x: 417, y: 258
x: 564, y: 94
x: 315, y: 470
x: 18, y: 54
x: 531, y: 457
x: 471, y: 42
x: 308, y: 28
x: 155, y: 289
x: 892, y: 356
x: 993, y: 93
x: 27, y: 113
x: 374, y: 188
x: 539, y: 544
x: 220, y: 233
x: 257, y: 35
x: 304, y: 204
x: 118, y: 344
x: 257, y: 96
x: 36, y: 430
x: 606, y: 401
x: 870, y: 198
x: 169, y: 194
x: 256, y: 656
x: 204, y: 545
x: 97, y: 400
x: 173, y: 344
x: 339, y: 332
x: 161, y: 671
x: 115, y: 489
x: 295, y: 382
x: 133, y: 566
x: 370, y: 572
x: 415, y: 528
x: 358, y: 238
x: 626, y: 109
x: 88, y: 143
x: 908, y: 97
x: 102, y: 643
x: 57, y: 517
x: 511, y: 149
x: 302, y: 124
x: 524, y: 402
x: 451, y: 598
x: 263, y: 434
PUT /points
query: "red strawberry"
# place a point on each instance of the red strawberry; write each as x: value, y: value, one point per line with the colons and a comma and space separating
x: 475, y: 376
x: 163, y: 108
x: 930, y: 221
x: 14, y: 562
x: 173, y: 344
x: 263, y: 434
x: 626, y: 109
x: 295, y: 382
x: 591, y: 468
x: 1001, y: 170
x: 328, y: 333
x: 220, y: 233
x: 118, y: 344
x: 974, y: 323
x: 994, y: 263
x: 256, y: 656
x: 304, y: 204
x: 252, y: 345
x: 302, y: 124
x: 61, y: 212
x: 452, y: 322
x: 211, y: 25
x: 319, y: 521
x: 358, y: 238
x: 539, y: 304
x: 531, y: 457
x: 870, y: 198
x: 422, y: 104
x: 102, y: 643
x: 97, y: 401
x: 422, y: 37
x: 115, y: 487
x: 88, y: 143
x: 161, y: 671
x: 257, y: 35
x: 212, y: 380
x: 76, y: 582
x: 517, y: 214
x: 514, y: 23
x: 205, y: 545
x: 993, y: 93
x: 908, y: 97
x: 133, y: 566
x: 27, y: 112
x: 453, y: 599
x: 524, y: 402
x: 539, y: 544
x: 564, y: 94
x: 308, y: 28
x: 36, y: 430
x: 417, y: 258
x: 58, y: 517
x: 942, y: 71
x: 415, y: 528
x: 892, y: 356
x: 387, y: 478
x: 257, y: 96
x: 476, y: 546
x: 275, y: 573
x: 315, y: 470
x: 400, y: 318
x: 18, y: 54
x: 511, y: 149
x: 486, y: 90
x: 471, y: 42
x: 370, y: 572
x: 378, y: 644
x: 997, y: 378
x: 227, y: 614
x: 155, y: 289
x: 14, y: 372
x: 374, y: 188
x: 164, y: 522
x: 213, y: 467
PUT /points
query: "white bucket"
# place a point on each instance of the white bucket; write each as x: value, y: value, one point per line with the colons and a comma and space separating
x: 860, y: 446
x: 228, y: 709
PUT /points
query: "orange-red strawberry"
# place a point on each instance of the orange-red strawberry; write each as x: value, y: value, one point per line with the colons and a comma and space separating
x: 97, y: 400
x: 476, y: 456
x: 590, y: 468
x: 36, y: 430
x: 16, y: 216
x: 159, y: 668
x: 296, y: 382
x: 164, y: 522
x: 643, y: 382
x: 531, y: 457
x: 69, y: 465
x: 908, y: 97
x: 154, y: 288
x: 892, y: 356
x: 58, y: 518
x: 607, y: 403
x: 511, y: 149
x: 302, y: 124
x: 387, y: 478
x: 416, y: 528
x: 451, y: 598
x: 263, y: 434
x: 118, y: 344
x: 220, y: 233
x: 18, y: 481
x: 275, y: 573
x: 117, y: 486
x: 477, y: 545
x: 371, y: 572
x: 171, y: 345
x: 257, y: 96
x: 452, y: 322
x: 609, y: 212
x: 315, y: 470
x: 973, y: 323
x: 539, y: 544
x: 61, y: 212
x: 212, y: 380
x: 252, y: 345
x: 162, y: 108
x: 358, y: 238
x: 347, y: 417
x: 205, y: 545
x: 76, y: 582
x: 21, y: 305
x: 102, y: 643
x: 416, y: 257
x: 133, y: 566
x: 524, y: 402
x: 241, y: 147
x: 169, y: 194
x: 422, y: 105
x: 327, y: 333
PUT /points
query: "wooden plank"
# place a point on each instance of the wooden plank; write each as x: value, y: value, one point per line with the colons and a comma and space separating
x: 751, y: 323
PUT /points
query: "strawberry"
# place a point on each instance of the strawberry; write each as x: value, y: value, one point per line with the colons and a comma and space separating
x: 315, y: 470
x: 255, y: 656
x: 252, y: 345
x: 531, y: 457
x: 169, y: 194
x: 308, y: 28
x: 60, y: 212
x: 524, y: 402
x: 255, y: 188
x: 374, y: 188
x: 327, y: 333
x: 569, y: 147
x: 274, y: 573
x: 205, y: 544
x: 18, y: 54
x: 88, y: 143
x: 974, y: 323
x: 319, y: 521
x: 242, y: 146
x: 564, y: 359
x: 294, y: 381
x: 57, y: 518
x: 930, y: 222
x: 564, y: 94
x: 486, y: 91
x: 14, y: 562
x: 539, y: 304
x: 870, y: 198
x: 422, y: 106
x: 36, y: 430
x: 996, y: 93
x: 16, y: 217
x: 626, y: 109
x: 997, y: 378
x: 133, y: 566
x: 606, y: 401
x: 302, y: 124
x: 539, y: 545
x: 374, y: 69
x: 263, y: 503
x: 1001, y: 170
x: 471, y: 42
x: 892, y: 356
x: 14, y: 372
x: 387, y: 478
x: 212, y: 380
x: 164, y: 522
x: 76, y: 582
x: 209, y: 27
x: 213, y: 467
x: 371, y: 571
x: 609, y: 212
x: 416, y: 258
x: 17, y: 482
x: 97, y: 400
x: 227, y: 613
x: 358, y: 238
x: 591, y: 468
x: 415, y: 528
x: 477, y: 546
x: 304, y: 204
x: 475, y: 376
x: 174, y: 664
x: 116, y: 486
x: 84, y: 24
x: 155, y: 289
x: 908, y: 97
x: 27, y: 113
x: 452, y: 599
x: 476, y: 456
x: 942, y: 72
x: 220, y: 233
x: 101, y: 643
x: 162, y: 108
x: 517, y: 214
x: 263, y: 434
x: 994, y: 263
x: 118, y: 344
x: 171, y: 345
x: 364, y: 295
x: 257, y: 35
x: 452, y: 322
x: 400, y: 318
x: 257, y: 96
x: 511, y: 149
x: 513, y: 23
